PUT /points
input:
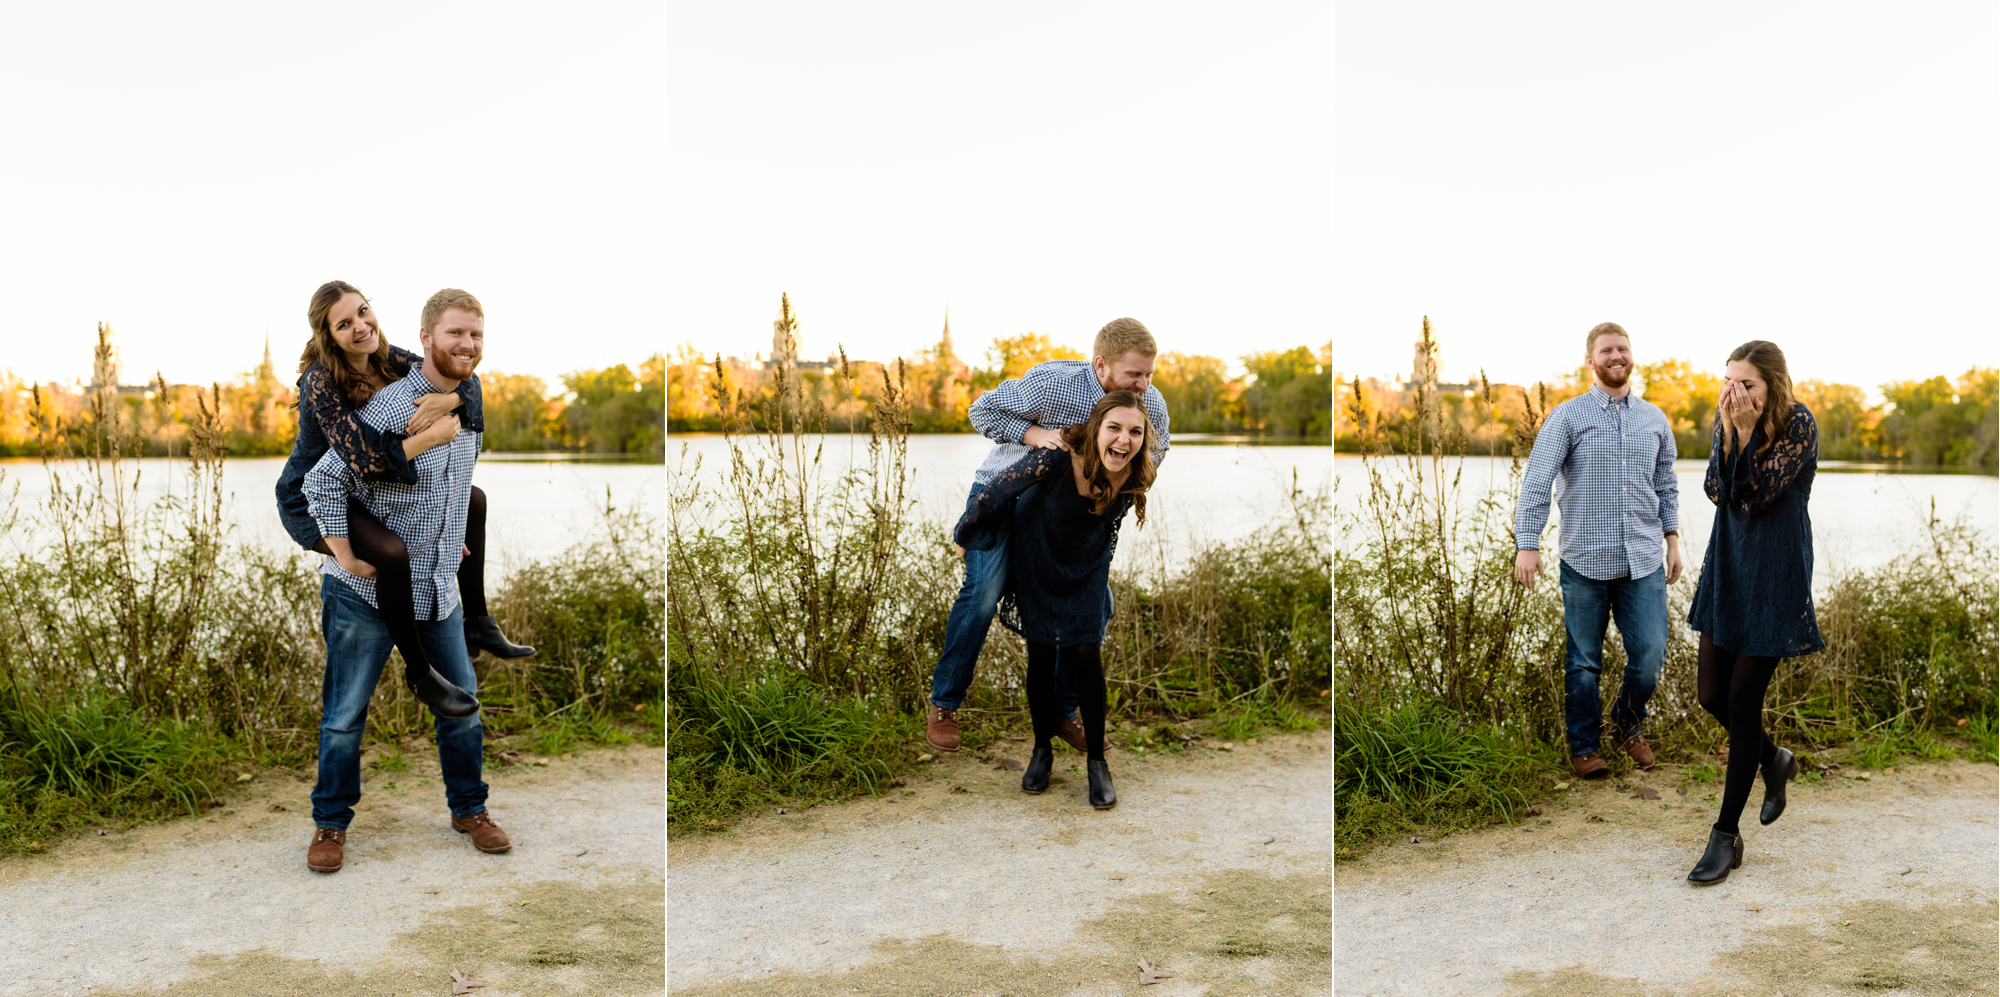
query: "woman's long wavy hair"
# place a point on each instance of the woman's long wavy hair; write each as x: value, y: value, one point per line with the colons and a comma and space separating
x: 1770, y: 363
x: 1082, y: 440
x: 322, y: 350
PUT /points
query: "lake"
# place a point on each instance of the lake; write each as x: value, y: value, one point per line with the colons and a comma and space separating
x: 537, y: 505
x: 1863, y: 515
x: 1208, y: 488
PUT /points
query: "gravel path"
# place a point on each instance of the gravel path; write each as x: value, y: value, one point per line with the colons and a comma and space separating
x: 1859, y: 887
x: 225, y: 905
x: 1213, y: 866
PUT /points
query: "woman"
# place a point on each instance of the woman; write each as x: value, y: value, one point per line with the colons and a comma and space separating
x: 344, y: 363
x: 1060, y: 539
x: 1753, y: 604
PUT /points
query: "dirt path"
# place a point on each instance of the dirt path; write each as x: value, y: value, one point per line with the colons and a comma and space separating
x: 1214, y: 866
x: 225, y: 906
x: 1861, y: 887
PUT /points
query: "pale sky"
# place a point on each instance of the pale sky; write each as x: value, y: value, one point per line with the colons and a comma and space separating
x: 190, y: 172
x: 1818, y: 174
x: 1035, y: 167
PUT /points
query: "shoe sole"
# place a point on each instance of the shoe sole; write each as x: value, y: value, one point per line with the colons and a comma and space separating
x: 1107, y: 806
x: 1790, y: 774
x: 321, y: 868
x: 936, y: 746
x: 490, y: 851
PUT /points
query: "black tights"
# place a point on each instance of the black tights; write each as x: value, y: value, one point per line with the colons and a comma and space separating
x: 1731, y: 688
x: 1085, y: 674
x: 384, y: 550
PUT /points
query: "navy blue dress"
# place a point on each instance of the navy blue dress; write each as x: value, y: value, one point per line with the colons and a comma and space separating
x: 1755, y: 594
x: 1058, y: 588
x: 327, y: 420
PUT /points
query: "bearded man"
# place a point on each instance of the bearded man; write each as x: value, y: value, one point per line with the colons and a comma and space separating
x: 1609, y: 456
x: 429, y: 517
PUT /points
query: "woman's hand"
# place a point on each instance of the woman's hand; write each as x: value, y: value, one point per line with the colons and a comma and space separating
x: 1739, y: 411
x: 1046, y: 439
x: 343, y: 552
x: 431, y: 409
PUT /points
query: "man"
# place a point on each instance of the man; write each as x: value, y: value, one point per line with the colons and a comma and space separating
x: 1020, y: 414
x: 1610, y: 456
x: 430, y: 518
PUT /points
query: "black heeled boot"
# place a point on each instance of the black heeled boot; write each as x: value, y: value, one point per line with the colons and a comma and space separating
x: 1102, y: 796
x: 1782, y: 768
x: 482, y: 633
x: 1035, y: 778
x: 1725, y: 852
x: 443, y: 696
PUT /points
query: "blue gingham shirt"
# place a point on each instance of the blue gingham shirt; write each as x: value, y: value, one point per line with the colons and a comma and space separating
x: 429, y: 515
x: 1611, y: 462
x: 1052, y: 395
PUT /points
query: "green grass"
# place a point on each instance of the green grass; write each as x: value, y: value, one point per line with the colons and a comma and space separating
x: 1418, y: 767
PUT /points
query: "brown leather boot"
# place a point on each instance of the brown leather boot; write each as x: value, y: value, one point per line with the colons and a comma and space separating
x: 1071, y: 732
x: 486, y: 835
x: 328, y: 849
x: 1590, y: 765
x: 1642, y: 755
x: 941, y: 730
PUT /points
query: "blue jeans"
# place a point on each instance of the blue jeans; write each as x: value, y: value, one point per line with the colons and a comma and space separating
x: 1640, y: 605
x: 965, y: 630
x: 357, y: 645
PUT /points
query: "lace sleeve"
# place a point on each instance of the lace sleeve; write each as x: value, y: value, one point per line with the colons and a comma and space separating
x: 990, y: 510
x: 1759, y: 481
x: 372, y: 454
x: 1716, y: 483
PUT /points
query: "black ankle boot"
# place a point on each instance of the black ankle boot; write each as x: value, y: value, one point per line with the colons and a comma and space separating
x: 482, y: 633
x: 1725, y: 852
x: 1035, y: 777
x: 1102, y: 796
x: 1782, y: 768
x: 444, y: 697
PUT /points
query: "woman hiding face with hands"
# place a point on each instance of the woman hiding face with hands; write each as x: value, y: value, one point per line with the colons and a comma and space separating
x: 1753, y: 604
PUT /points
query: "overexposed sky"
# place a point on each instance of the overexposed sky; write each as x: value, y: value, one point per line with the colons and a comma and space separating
x: 190, y: 172
x: 1818, y: 174
x: 1035, y: 167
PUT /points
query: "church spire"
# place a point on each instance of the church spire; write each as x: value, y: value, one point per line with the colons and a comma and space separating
x: 945, y: 347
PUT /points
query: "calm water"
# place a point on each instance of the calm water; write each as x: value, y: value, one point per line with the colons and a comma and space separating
x: 535, y: 507
x: 1218, y: 490
x: 1862, y: 517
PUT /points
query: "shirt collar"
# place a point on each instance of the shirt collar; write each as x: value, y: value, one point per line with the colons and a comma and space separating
x: 1605, y: 400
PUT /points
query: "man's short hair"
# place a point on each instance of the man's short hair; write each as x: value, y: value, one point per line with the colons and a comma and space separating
x: 1121, y: 336
x: 1590, y: 342
x: 450, y: 297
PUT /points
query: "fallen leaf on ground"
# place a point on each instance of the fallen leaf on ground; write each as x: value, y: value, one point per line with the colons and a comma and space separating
x: 1862, y: 776
x: 1753, y: 909
x: 102, y: 832
x: 245, y: 777
x: 462, y: 984
x: 1649, y: 793
x: 1416, y: 840
x: 1596, y: 819
x: 925, y: 758
x: 1562, y: 785
x: 1149, y: 975
x: 1118, y: 877
x: 434, y: 891
x: 1683, y: 790
x: 1010, y: 765
x: 782, y: 810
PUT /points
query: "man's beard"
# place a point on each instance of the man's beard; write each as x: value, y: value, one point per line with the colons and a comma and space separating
x: 450, y: 366
x: 1605, y: 376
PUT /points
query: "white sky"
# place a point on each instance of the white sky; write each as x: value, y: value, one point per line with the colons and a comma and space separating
x: 1818, y: 174
x: 190, y: 172
x: 1041, y: 167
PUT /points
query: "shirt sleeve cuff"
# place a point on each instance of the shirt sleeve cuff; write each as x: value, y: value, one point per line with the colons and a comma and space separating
x: 1011, y: 429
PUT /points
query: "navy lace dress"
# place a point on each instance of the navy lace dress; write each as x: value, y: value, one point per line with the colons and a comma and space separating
x: 1058, y: 554
x: 328, y: 420
x: 1755, y: 593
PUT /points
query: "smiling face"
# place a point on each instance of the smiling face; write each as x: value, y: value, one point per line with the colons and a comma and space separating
x: 1749, y: 382
x: 1611, y: 360
x: 1131, y: 372
x: 454, y: 345
x: 351, y: 321
x: 1119, y: 438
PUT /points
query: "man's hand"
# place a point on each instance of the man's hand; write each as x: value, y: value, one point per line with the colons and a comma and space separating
x: 1527, y: 567
x: 343, y: 551
x: 431, y: 409
x: 1674, y: 565
x: 1046, y: 439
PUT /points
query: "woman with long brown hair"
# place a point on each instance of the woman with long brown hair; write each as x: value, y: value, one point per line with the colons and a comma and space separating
x: 1753, y: 604
x: 1060, y: 510
x: 344, y: 363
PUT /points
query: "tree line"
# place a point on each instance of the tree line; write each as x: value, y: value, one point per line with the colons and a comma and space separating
x: 1281, y: 393
x: 1937, y: 420
x: 612, y: 410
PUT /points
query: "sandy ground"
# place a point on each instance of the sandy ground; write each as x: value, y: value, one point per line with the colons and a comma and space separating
x: 1214, y: 866
x: 1887, y: 885
x: 224, y: 905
